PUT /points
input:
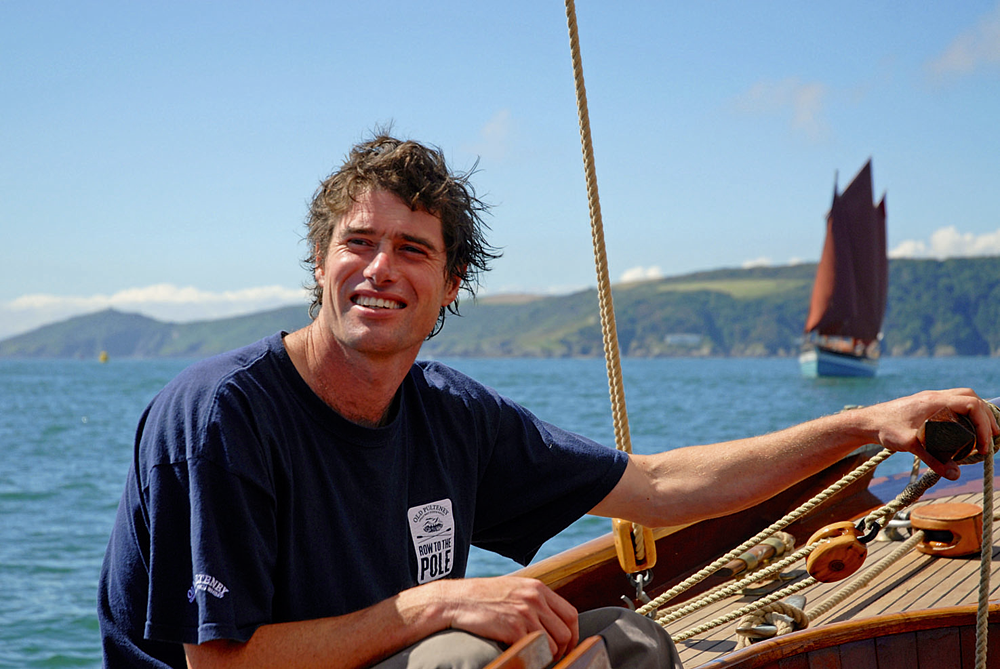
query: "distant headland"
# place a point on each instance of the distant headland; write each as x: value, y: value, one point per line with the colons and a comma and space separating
x: 935, y: 308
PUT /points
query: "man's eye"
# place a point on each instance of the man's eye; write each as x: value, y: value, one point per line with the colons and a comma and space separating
x: 414, y: 249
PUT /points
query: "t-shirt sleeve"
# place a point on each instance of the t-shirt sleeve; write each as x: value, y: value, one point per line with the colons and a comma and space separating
x: 539, y: 480
x: 211, y: 518
x: 210, y: 554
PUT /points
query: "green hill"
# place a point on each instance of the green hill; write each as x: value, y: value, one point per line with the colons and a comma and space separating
x: 125, y: 335
x: 724, y: 312
x: 947, y: 307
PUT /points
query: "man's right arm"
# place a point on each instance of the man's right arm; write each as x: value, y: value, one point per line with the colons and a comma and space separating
x: 503, y: 608
x: 685, y: 485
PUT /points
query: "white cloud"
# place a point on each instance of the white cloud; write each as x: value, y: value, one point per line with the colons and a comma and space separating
x: 976, y: 47
x: 163, y: 301
x: 948, y: 242
x: 803, y: 102
x: 762, y: 261
x: 635, y: 274
x: 522, y: 289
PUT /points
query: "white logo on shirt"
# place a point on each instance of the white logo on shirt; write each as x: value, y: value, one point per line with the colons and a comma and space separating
x: 432, y: 527
x: 209, y: 584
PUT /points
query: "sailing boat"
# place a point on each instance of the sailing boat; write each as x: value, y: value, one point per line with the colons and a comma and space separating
x: 894, y: 624
x: 848, y: 300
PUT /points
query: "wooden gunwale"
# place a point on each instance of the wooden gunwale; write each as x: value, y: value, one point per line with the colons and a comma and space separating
x: 911, y: 628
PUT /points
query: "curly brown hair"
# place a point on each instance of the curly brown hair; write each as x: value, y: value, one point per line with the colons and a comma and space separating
x: 419, y: 176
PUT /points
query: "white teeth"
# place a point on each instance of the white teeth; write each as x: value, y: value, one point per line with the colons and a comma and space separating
x: 377, y: 303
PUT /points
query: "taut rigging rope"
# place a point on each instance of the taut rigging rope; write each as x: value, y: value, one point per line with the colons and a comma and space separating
x: 643, y: 554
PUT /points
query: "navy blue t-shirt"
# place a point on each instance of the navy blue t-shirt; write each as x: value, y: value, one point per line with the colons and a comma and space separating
x: 251, y: 502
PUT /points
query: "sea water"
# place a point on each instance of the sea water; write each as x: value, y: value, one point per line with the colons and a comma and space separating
x: 67, y: 429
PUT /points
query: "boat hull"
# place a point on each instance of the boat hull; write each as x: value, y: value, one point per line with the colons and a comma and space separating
x: 816, y: 362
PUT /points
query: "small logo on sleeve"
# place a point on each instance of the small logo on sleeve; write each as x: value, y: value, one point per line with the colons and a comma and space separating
x: 209, y: 584
x: 432, y: 528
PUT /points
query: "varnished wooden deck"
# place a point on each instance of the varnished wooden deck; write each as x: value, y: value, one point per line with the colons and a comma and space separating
x: 914, y: 583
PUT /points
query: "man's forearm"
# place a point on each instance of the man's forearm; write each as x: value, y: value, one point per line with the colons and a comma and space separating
x: 352, y: 640
x: 690, y: 484
x: 502, y: 608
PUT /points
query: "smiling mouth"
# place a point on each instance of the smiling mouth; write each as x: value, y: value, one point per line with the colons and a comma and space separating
x: 377, y: 303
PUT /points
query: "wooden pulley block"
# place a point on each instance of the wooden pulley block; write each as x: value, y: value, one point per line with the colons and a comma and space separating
x: 951, y: 529
x: 839, y: 554
x: 626, y: 549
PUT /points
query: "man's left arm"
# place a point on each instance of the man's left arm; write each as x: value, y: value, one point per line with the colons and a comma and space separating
x: 686, y: 485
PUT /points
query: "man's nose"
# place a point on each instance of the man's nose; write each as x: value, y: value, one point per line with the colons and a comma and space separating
x: 382, y: 267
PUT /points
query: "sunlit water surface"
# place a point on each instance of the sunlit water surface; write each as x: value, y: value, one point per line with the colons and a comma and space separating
x: 66, y: 432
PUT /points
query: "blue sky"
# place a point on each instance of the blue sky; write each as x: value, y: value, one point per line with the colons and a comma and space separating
x: 158, y: 156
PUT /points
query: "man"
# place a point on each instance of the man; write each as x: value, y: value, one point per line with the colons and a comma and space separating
x: 309, y: 500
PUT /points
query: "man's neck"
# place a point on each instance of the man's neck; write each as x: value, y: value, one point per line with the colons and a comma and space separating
x: 359, y: 387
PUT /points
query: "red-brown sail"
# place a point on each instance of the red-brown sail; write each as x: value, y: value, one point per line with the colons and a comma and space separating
x: 852, y: 279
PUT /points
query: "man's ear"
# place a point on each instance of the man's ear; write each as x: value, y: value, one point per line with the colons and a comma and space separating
x: 454, y: 283
x: 318, y: 273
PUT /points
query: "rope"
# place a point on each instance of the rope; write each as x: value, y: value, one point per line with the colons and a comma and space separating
x: 909, y: 495
x: 806, y: 508
x: 985, y: 560
x: 619, y: 416
x: 764, y: 609
x: 749, y: 608
x: 803, y: 618
x: 720, y: 593
x: 789, y: 619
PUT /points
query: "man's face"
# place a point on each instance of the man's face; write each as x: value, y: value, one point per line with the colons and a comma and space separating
x: 383, y: 276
